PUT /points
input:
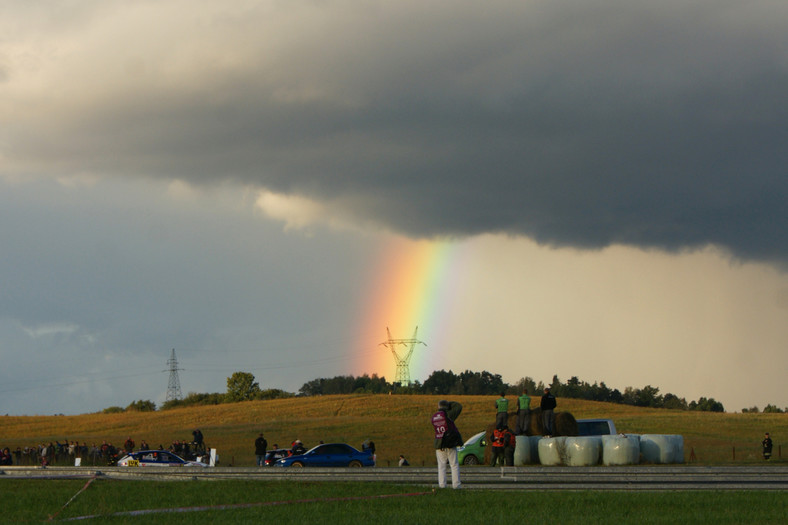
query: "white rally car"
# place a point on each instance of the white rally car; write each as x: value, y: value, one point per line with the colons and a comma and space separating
x: 156, y: 458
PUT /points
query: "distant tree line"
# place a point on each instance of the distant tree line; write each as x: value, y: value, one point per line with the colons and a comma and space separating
x: 346, y: 385
x: 648, y: 396
x: 768, y: 409
x: 442, y: 382
x: 135, y: 406
x: 241, y: 386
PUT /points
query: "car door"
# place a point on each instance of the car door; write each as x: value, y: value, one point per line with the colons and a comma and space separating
x: 321, y: 456
x: 169, y: 460
x: 149, y: 459
x: 332, y: 455
x: 340, y: 455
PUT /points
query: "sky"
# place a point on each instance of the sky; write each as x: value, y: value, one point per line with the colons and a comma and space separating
x: 532, y: 188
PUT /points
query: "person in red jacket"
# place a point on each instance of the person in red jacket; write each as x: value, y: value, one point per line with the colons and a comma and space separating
x: 498, y: 441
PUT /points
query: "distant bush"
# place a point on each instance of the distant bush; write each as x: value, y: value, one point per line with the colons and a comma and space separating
x: 194, y: 399
x: 142, y: 406
x: 273, y: 393
x: 113, y: 410
x: 707, y: 405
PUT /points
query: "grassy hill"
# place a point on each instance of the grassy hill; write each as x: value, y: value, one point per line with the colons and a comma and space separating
x: 397, y: 425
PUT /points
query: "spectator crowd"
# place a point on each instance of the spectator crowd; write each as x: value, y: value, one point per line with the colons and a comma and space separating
x: 67, y: 452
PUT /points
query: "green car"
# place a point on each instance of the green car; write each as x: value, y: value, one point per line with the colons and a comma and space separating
x: 472, y: 451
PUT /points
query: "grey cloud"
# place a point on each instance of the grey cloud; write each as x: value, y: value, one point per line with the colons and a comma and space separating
x: 657, y: 125
x: 100, y: 282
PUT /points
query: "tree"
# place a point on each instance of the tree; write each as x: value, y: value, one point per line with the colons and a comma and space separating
x: 556, y: 388
x: 371, y: 385
x: 480, y: 384
x: 572, y: 388
x: 312, y: 388
x: 142, y: 406
x: 615, y: 396
x: 630, y: 396
x: 273, y: 393
x: 440, y: 382
x: 241, y: 386
x: 339, y: 385
x: 674, y: 402
x: 526, y: 383
x: 648, y: 396
x: 600, y: 392
x: 707, y: 405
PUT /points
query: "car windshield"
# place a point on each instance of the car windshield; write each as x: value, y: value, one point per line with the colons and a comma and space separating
x: 474, y: 439
x: 593, y: 427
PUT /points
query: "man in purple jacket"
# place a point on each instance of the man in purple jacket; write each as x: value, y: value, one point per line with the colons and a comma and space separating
x: 447, y: 439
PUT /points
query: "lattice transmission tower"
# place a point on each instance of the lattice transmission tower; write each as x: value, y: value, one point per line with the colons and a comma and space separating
x: 402, y: 375
x: 174, y: 384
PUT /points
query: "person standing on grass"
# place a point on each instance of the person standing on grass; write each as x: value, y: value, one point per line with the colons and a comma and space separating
x: 369, y: 446
x: 501, y: 411
x: 447, y: 439
x: 197, y: 438
x: 547, y: 405
x: 260, y: 444
x: 498, y: 445
x: 508, y: 447
x: 523, y: 413
x: 767, y: 446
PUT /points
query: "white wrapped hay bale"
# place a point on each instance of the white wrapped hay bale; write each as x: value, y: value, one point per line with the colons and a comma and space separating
x: 678, y: 448
x: 552, y: 451
x: 533, y: 442
x: 621, y: 449
x: 522, y: 451
x: 662, y: 448
x: 583, y: 451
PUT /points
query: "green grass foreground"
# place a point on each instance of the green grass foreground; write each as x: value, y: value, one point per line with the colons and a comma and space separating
x: 35, y: 501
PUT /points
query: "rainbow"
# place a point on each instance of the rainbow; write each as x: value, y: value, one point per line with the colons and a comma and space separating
x: 413, y: 285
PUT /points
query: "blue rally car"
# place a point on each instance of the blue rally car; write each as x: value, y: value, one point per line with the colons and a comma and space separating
x: 329, y: 455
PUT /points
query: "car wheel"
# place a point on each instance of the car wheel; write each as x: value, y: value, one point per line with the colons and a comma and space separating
x: 354, y: 463
x: 470, y: 459
x: 296, y: 464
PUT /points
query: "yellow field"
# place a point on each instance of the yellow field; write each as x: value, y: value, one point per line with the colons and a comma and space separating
x: 397, y: 425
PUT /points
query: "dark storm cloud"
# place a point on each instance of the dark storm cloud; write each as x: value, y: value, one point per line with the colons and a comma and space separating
x: 651, y: 124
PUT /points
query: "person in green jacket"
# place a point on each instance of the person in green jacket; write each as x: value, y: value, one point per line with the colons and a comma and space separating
x: 523, y: 413
x: 502, y: 411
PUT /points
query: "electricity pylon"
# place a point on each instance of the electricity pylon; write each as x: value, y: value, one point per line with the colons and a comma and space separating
x: 403, y: 362
x: 174, y: 384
